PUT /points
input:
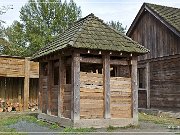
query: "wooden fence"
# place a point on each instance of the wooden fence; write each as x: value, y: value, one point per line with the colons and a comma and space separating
x: 19, y: 80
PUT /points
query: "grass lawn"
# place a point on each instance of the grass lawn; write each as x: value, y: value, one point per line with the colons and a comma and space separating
x: 8, y: 120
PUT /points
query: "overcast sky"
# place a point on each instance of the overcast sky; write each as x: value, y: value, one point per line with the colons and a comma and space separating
x: 117, y: 10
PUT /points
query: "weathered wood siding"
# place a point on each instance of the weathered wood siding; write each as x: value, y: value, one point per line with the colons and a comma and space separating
x: 66, y: 101
x: 121, y: 97
x: 54, y: 100
x: 155, y: 36
x: 91, y: 96
x: 44, y: 94
x: 11, y: 90
x: 15, y: 67
x: 165, y: 83
x: 142, y: 99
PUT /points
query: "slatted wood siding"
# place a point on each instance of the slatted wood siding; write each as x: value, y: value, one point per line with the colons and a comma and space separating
x: 142, y: 99
x: 11, y: 89
x: 67, y: 101
x: 14, y: 67
x: 165, y: 83
x: 91, y: 96
x: 155, y: 36
x: 121, y: 97
x: 44, y: 95
x: 54, y: 100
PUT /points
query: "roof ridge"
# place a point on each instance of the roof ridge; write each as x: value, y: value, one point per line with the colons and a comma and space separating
x: 146, y: 3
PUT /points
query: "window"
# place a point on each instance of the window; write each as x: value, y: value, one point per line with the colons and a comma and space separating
x: 56, y: 72
x: 141, y: 77
x: 45, y: 68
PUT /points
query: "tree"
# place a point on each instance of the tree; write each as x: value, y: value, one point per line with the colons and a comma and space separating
x: 17, y: 42
x: 117, y: 25
x: 3, y: 42
x: 42, y: 20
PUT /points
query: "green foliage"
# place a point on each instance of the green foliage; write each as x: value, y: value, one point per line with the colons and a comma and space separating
x: 69, y: 129
x: 111, y: 128
x: 43, y: 20
x: 117, y: 26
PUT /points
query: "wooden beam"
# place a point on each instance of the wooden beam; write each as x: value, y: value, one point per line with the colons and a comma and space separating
x: 91, y: 60
x: 49, y: 87
x: 75, y: 82
x: 106, y: 85
x: 61, y: 90
x: 134, y: 88
x: 119, y: 62
x: 26, y: 84
x: 40, y: 88
x: 148, y: 84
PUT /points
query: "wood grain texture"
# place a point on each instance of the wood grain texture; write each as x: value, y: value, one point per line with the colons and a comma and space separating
x: 91, y: 96
x: 121, y: 97
x: 106, y: 85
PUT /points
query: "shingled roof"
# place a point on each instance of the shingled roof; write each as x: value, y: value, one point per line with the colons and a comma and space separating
x: 169, y: 16
x: 91, y: 33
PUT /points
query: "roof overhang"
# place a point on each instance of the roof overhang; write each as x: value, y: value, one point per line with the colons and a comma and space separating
x: 145, y: 8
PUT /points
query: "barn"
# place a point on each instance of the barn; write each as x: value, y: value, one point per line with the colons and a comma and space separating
x: 157, y: 28
x: 88, y: 76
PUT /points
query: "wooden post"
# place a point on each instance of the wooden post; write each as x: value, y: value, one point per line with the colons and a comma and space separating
x: 49, y: 87
x: 134, y: 89
x: 60, y: 91
x: 75, y: 82
x: 40, y: 88
x: 106, y: 86
x: 26, y: 84
x: 148, y: 84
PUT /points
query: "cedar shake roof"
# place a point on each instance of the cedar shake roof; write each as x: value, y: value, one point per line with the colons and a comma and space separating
x: 91, y: 33
x: 169, y: 16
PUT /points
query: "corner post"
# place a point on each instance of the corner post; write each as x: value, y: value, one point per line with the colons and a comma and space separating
x: 148, y: 84
x: 40, y: 89
x: 134, y: 89
x: 60, y: 100
x: 75, y: 82
x: 26, y: 84
x: 106, y: 85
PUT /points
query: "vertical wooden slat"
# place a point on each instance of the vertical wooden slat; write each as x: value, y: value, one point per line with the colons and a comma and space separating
x: 148, y: 84
x: 26, y: 84
x: 134, y: 88
x: 49, y: 86
x: 75, y: 82
x: 106, y: 86
x: 20, y: 83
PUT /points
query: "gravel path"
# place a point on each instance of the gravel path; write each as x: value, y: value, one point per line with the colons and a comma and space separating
x: 33, y: 129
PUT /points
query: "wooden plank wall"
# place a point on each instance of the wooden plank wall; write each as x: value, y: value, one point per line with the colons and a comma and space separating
x: 155, y: 36
x: 165, y: 83
x: 44, y: 94
x: 91, y: 96
x: 11, y: 90
x: 121, y: 97
x: 15, y: 67
x: 142, y: 99
x: 66, y: 101
x: 11, y: 67
x: 54, y: 100
x: 33, y: 91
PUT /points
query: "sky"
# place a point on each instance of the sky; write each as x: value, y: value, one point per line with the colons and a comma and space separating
x: 123, y: 11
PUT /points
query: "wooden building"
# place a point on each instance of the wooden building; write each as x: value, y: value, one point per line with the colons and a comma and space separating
x: 18, y: 80
x: 88, y: 76
x: 157, y: 28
